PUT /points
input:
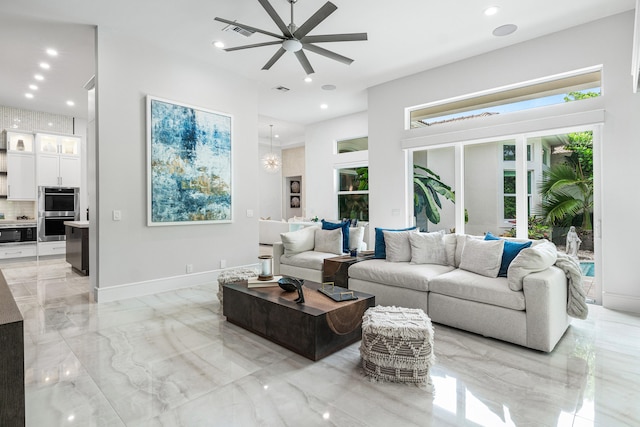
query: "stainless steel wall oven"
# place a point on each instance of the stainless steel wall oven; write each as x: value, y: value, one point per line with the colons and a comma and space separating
x: 55, y: 206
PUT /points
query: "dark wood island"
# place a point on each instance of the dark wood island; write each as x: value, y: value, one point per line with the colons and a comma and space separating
x: 77, y: 235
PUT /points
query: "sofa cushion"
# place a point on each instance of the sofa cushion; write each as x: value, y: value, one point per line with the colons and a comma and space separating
x: 427, y: 248
x: 531, y: 260
x: 310, y: 259
x: 299, y: 241
x: 400, y: 274
x: 329, y: 241
x: 482, y: 256
x: 397, y: 246
x: 510, y: 251
x: 450, y: 243
x: 380, y: 250
x: 344, y: 226
x: 474, y: 287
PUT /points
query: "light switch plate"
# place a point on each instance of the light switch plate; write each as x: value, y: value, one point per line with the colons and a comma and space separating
x: 117, y: 215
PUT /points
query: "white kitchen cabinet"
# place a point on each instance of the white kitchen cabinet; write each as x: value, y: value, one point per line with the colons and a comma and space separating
x: 21, y: 173
x: 58, y: 160
x: 21, y: 168
x: 52, y: 248
x: 18, y: 250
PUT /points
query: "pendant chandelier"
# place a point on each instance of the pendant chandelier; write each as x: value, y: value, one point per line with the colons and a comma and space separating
x: 271, y: 161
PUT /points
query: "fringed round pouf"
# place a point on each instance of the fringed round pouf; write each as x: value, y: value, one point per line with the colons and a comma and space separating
x: 397, y: 345
x: 234, y: 275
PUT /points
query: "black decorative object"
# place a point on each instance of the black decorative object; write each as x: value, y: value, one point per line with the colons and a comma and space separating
x: 290, y: 284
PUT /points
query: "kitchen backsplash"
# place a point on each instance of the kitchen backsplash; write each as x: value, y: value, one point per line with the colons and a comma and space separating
x: 27, y: 120
x: 12, y: 210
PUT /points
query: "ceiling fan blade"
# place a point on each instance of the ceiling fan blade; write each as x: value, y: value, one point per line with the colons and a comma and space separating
x: 354, y: 37
x: 274, y: 58
x: 327, y: 53
x: 302, y: 58
x: 249, y: 46
x: 249, y: 28
x: 275, y: 17
x: 320, y: 15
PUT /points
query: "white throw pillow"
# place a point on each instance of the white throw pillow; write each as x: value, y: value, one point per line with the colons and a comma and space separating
x: 482, y: 256
x: 329, y: 241
x: 356, y: 237
x: 530, y: 260
x: 398, y: 246
x: 298, y: 241
x: 427, y: 248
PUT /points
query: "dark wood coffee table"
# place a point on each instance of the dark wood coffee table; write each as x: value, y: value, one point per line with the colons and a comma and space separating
x: 314, y: 329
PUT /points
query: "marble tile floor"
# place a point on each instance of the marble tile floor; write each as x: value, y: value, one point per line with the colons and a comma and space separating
x: 171, y: 359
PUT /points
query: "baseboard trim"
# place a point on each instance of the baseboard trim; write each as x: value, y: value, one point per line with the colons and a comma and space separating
x: 621, y: 302
x: 149, y: 287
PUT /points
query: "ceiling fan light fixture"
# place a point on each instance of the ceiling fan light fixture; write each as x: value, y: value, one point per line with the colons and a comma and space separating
x: 291, y: 45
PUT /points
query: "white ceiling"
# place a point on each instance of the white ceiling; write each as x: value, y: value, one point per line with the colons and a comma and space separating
x: 403, y: 38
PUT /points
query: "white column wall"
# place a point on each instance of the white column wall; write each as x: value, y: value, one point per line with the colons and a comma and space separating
x: 607, y: 42
x: 321, y: 160
x: 134, y: 258
x: 269, y: 186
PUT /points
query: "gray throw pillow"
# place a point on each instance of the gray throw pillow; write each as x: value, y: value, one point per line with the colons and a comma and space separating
x: 329, y: 241
x: 482, y: 256
x: 427, y: 248
x: 398, y: 246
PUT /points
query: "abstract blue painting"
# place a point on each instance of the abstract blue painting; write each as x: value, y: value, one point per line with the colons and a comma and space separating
x: 189, y: 155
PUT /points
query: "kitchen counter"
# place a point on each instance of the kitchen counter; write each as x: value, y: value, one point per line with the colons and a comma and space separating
x: 17, y: 222
x: 77, y: 224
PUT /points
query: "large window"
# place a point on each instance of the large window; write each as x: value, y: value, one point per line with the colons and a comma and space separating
x: 545, y: 92
x: 353, y: 193
x: 353, y: 144
x: 509, y: 195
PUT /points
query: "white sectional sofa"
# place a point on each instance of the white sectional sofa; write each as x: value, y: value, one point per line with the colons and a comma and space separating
x: 528, y: 308
x: 300, y: 255
x: 533, y: 316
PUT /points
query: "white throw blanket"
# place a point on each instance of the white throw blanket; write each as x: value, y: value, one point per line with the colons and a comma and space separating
x: 576, y: 304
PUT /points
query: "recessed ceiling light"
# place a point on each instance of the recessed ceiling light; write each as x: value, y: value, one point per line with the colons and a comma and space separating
x: 308, y: 79
x: 328, y: 87
x: 71, y: 103
x: 505, y: 30
x: 492, y: 10
x: 33, y: 87
x: 324, y: 106
x: 44, y: 66
x: 276, y: 136
x: 49, y: 124
x: 28, y: 95
x: 52, y: 52
x: 218, y: 44
x: 38, y: 77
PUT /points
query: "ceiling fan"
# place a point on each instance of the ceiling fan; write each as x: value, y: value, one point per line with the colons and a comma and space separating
x: 295, y: 39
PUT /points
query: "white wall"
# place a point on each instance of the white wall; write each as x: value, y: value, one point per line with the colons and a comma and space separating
x: 606, y: 42
x: 321, y: 161
x: 269, y: 186
x: 134, y: 258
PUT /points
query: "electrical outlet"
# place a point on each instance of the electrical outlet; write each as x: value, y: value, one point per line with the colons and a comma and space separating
x: 189, y: 268
x: 223, y: 263
x: 249, y: 213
